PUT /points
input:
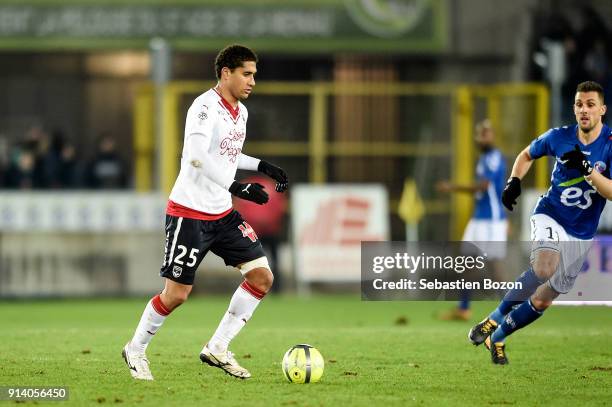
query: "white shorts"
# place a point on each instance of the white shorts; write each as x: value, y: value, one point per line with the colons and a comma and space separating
x: 546, y: 233
x: 488, y: 235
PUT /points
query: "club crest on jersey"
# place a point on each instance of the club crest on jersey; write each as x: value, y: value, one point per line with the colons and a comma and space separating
x: 247, y: 231
x: 600, y: 166
x: 177, y: 271
x: 203, y: 114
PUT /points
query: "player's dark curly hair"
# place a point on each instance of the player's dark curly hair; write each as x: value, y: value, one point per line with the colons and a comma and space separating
x: 591, y: 86
x: 233, y: 57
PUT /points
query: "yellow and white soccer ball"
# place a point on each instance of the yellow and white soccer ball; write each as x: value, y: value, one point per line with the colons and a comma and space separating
x: 303, y: 364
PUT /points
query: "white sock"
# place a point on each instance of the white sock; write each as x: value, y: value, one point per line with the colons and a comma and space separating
x: 241, y: 308
x: 153, y: 317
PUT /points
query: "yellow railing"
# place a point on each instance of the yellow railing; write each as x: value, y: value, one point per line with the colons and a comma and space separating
x: 320, y: 146
x: 493, y: 95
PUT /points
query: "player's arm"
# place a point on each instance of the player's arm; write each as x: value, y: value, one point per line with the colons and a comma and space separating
x: 196, y: 149
x: 521, y: 167
x: 601, y: 183
x: 246, y: 162
x: 539, y: 147
x: 522, y: 164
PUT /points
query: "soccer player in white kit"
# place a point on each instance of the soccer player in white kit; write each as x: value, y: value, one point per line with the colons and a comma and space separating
x: 200, y: 216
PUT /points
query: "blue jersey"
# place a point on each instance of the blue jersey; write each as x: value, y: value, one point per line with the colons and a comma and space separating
x: 570, y: 200
x: 492, y: 168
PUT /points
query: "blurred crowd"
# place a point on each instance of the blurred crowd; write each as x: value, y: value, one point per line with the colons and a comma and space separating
x: 587, y: 41
x: 47, y: 160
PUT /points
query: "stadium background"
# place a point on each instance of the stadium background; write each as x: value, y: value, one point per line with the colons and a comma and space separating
x: 349, y: 94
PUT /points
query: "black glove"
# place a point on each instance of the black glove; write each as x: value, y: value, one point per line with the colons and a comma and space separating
x: 577, y: 160
x: 276, y: 173
x: 251, y: 192
x: 511, y: 192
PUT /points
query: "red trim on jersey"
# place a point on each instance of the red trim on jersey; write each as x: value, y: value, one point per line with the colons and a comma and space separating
x: 159, y: 306
x: 252, y: 290
x: 234, y: 112
x: 178, y: 210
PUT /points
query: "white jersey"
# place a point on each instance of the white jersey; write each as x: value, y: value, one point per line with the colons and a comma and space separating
x: 214, y: 135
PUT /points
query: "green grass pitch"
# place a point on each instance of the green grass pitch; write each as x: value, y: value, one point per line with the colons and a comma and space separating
x: 376, y: 354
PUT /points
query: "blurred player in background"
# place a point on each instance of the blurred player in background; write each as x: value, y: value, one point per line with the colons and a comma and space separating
x: 488, y: 222
x: 564, y: 221
x: 200, y: 216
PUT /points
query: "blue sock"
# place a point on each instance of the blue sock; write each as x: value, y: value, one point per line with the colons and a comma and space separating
x: 530, y: 282
x: 522, y: 316
x: 497, y: 316
x: 464, y: 301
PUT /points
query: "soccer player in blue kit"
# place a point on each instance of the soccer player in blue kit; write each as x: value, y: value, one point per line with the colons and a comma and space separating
x: 564, y: 220
x: 488, y: 222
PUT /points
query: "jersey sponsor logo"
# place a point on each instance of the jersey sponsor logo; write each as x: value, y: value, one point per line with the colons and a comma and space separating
x: 232, y: 145
x: 177, y: 271
x: 247, y: 231
x: 574, y: 196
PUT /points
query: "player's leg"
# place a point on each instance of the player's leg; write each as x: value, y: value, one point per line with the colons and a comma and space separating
x: 244, y: 301
x: 518, y: 318
x: 543, y: 266
x: 182, y: 255
x: 239, y: 246
x: 546, y: 235
x: 573, y: 253
x: 153, y: 316
x: 156, y: 311
x: 560, y: 270
x: 526, y: 313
